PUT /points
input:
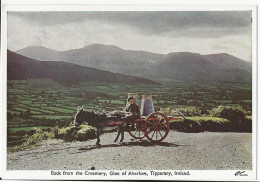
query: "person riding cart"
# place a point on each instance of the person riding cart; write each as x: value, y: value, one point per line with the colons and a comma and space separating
x: 135, y: 110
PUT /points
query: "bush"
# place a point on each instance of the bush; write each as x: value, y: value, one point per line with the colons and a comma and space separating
x: 85, y: 133
x: 35, y: 130
x: 237, y: 117
x: 222, y: 119
x: 247, y: 124
x: 191, y: 111
x: 200, y: 124
x: 33, y: 140
x: 229, y: 112
x: 36, y: 138
x: 248, y: 117
x: 81, y: 133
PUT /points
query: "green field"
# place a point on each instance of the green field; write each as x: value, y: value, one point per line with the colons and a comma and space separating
x: 27, y: 128
x: 41, y: 103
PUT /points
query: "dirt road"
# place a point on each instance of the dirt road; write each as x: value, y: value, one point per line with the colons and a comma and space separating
x: 193, y: 151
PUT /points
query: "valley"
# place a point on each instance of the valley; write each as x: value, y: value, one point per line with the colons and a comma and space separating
x: 44, y: 103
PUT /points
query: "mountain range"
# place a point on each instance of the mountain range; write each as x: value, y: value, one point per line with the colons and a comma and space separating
x: 21, y: 68
x: 193, y: 67
x: 103, y: 57
x: 183, y: 66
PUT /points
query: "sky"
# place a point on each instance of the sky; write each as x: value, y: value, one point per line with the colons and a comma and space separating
x: 203, y: 32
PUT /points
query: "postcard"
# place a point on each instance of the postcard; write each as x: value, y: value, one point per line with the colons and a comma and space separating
x: 128, y: 92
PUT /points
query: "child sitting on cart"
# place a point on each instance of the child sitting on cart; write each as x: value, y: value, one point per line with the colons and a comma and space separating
x: 135, y: 110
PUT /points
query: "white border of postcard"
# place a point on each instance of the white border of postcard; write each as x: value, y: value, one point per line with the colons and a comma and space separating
x: 66, y: 5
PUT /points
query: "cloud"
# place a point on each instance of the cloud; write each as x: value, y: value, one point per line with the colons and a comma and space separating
x: 148, y: 22
x: 159, y: 32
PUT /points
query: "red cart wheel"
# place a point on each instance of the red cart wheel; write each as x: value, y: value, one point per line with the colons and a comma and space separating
x: 156, y: 127
x: 138, y: 132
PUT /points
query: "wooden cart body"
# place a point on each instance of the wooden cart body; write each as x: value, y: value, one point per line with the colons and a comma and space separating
x: 155, y: 127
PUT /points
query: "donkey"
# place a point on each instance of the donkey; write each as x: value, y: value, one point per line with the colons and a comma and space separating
x: 96, y: 120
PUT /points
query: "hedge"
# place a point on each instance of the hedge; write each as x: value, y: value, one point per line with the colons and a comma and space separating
x: 217, y: 124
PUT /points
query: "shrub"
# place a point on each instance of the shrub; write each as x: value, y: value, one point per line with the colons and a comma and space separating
x: 247, y: 124
x: 222, y: 118
x: 229, y: 112
x: 249, y: 117
x: 36, y: 138
x: 32, y: 140
x: 63, y: 132
x: 35, y: 130
x: 199, y: 124
x: 81, y: 133
x: 237, y: 117
x: 86, y: 132
x: 191, y: 111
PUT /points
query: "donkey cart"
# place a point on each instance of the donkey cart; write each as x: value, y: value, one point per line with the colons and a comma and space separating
x: 155, y: 127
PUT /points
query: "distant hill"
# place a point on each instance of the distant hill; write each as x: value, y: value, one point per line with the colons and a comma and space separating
x: 104, y: 57
x: 173, y: 66
x: 20, y: 68
x: 192, y: 67
x: 228, y: 61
